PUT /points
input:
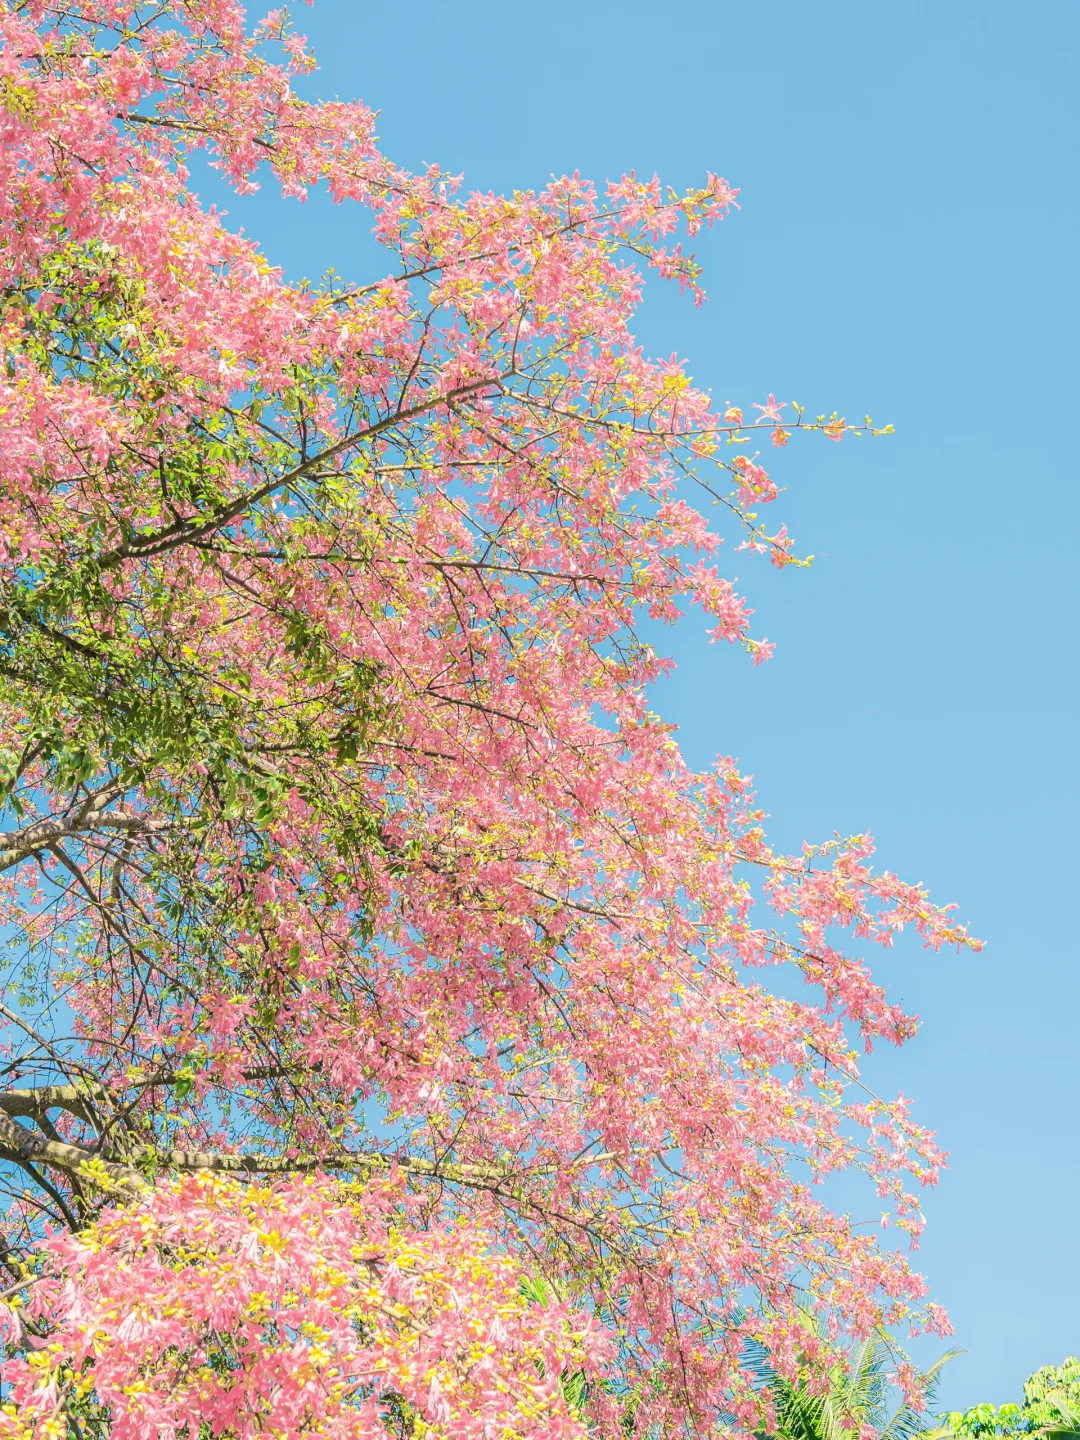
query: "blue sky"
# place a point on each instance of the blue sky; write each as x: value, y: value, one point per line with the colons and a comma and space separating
x: 907, y: 246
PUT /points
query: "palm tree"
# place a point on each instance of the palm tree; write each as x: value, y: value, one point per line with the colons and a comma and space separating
x: 859, y: 1393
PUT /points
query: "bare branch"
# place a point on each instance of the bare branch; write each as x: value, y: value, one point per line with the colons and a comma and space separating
x: 19, y: 845
x: 34, y: 1102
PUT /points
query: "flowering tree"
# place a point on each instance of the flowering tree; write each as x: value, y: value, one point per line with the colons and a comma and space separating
x: 387, y: 1044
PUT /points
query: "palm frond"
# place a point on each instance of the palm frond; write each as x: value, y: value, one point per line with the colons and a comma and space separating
x: 859, y: 1394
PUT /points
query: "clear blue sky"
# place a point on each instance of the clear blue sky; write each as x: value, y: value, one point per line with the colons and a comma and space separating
x: 907, y: 246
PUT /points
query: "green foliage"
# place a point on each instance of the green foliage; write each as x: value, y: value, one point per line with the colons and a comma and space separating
x: 131, y: 727
x: 114, y: 671
x: 1051, y: 1407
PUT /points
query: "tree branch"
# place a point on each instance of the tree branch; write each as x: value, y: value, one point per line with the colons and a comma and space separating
x: 18, y: 845
x: 24, y: 1147
x: 187, y: 533
x: 34, y: 1101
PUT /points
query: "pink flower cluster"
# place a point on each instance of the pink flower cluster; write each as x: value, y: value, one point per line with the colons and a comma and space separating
x: 305, y: 1308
